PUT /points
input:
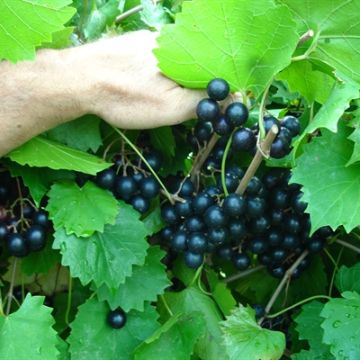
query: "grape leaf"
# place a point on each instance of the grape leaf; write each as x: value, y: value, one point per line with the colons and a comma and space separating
x: 312, y: 84
x: 336, y: 28
x: 92, y: 338
x: 99, y: 18
x: 60, y: 39
x: 209, y: 346
x: 154, y: 15
x: 154, y: 221
x: 26, y: 24
x: 330, y: 202
x: 63, y: 348
x: 163, y: 140
x: 146, y: 282
x: 108, y: 257
x: 38, y: 180
x: 221, y: 293
x: 41, y: 152
x: 245, y: 339
x: 342, y: 326
x: 68, y: 134
x: 308, y: 326
x: 355, y: 137
x: 348, y: 279
x: 329, y: 114
x: 40, y: 261
x: 81, y: 211
x: 174, y: 340
x: 28, y: 333
x: 251, y: 42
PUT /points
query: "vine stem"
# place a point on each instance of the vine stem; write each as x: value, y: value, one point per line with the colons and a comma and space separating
x: 196, y: 275
x: 282, y: 283
x: 336, y: 269
x: 141, y: 156
x: 263, y: 149
x: 223, y: 164
x: 166, y: 305
x: 199, y: 161
x: 301, y: 302
x: 243, y: 274
x: 347, y: 245
x: 132, y: 11
x: 11, y: 289
x: 69, y: 300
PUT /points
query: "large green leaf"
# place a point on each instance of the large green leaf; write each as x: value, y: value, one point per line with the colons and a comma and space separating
x: 40, y: 261
x: 245, y: 339
x: 337, y: 31
x: 28, y: 333
x: 92, y: 338
x: 38, y: 180
x: 308, y: 326
x: 244, y: 42
x: 221, y: 293
x: 41, y: 152
x: 163, y: 139
x: 330, y: 188
x: 342, y: 326
x: 329, y: 114
x: 82, y: 134
x: 210, y: 345
x: 314, y: 85
x: 99, y: 18
x: 26, y: 24
x: 154, y: 15
x: 174, y: 340
x: 355, y: 138
x: 108, y: 257
x: 144, y: 284
x: 348, y: 279
x: 81, y: 211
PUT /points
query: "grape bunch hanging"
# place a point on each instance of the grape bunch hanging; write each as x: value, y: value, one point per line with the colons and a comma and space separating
x: 23, y: 227
x: 266, y: 223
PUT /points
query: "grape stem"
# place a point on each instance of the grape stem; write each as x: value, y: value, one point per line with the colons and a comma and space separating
x: 301, y: 302
x: 132, y: 11
x: 11, y: 289
x: 141, y: 156
x: 282, y: 284
x: 201, y: 158
x: 69, y: 301
x: 243, y: 274
x: 347, y: 245
x: 223, y: 164
x: 263, y: 149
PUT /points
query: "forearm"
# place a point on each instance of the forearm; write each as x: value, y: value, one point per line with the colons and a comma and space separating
x: 35, y: 96
x: 116, y: 79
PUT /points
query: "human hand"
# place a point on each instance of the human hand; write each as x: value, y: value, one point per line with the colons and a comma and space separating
x: 116, y: 79
x: 125, y: 87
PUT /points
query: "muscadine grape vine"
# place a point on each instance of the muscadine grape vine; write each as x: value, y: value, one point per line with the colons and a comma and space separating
x: 197, y: 240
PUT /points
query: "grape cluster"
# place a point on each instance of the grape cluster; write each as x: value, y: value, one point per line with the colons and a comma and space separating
x: 267, y: 224
x: 231, y: 123
x: 23, y: 228
x: 131, y: 183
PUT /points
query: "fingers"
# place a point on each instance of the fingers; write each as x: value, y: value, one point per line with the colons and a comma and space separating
x: 184, y: 103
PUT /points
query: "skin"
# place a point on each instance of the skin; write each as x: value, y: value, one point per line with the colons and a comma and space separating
x: 116, y: 79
